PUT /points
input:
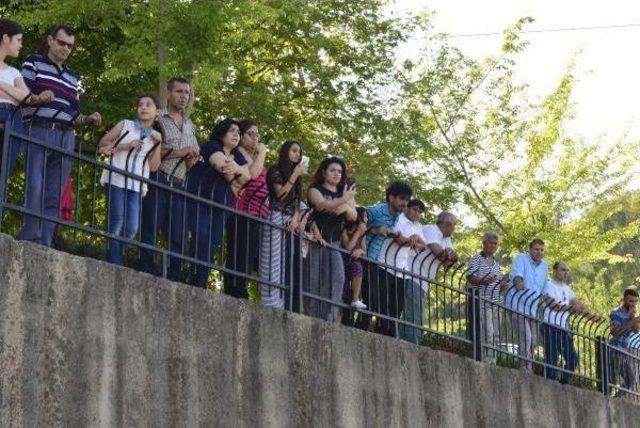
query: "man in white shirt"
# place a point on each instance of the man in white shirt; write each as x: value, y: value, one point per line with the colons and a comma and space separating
x: 402, y: 254
x: 560, y: 301
x: 437, y: 238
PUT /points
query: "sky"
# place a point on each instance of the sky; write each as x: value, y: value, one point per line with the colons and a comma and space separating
x: 608, y: 62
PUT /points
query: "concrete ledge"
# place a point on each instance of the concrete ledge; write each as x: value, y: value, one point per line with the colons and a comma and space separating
x: 84, y: 343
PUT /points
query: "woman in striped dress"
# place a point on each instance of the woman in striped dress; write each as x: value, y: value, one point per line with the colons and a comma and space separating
x: 284, y: 181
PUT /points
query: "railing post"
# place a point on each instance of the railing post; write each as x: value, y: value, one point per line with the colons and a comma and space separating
x: 602, y: 365
x: 4, y: 165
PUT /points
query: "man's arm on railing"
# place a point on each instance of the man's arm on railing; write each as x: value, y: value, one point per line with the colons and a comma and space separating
x: 155, y: 159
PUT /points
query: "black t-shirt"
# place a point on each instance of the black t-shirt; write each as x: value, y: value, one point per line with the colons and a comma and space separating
x: 288, y: 202
x: 205, y: 180
x: 330, y: 225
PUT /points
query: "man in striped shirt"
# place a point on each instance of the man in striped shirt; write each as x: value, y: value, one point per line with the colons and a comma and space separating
x: 485, y: 273
x: 52, y: 123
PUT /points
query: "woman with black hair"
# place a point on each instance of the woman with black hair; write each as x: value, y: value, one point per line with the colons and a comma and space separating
x: 284, y: 181
x: 333, y: 201
x: 243, y: 233
x: 218, y: 175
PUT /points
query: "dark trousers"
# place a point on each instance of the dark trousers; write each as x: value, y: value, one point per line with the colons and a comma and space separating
x: 558, y: 342
x: 162, y: 211
x: 206, y: 225
x: 383, y: 293
x: 243, y: 245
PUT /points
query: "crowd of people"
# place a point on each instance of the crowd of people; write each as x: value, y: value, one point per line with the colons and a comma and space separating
x: 355, y: 260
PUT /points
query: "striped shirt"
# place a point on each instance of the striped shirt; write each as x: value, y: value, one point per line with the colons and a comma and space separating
x: 175, y: 138
x: 41, y: 74
x: 255, y: 197
x: 483, y: 267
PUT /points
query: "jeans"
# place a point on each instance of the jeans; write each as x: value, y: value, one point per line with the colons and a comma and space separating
x: 124, y: 210
x: 413, y: 297
x: 162, y: 211
x: 206, y: 225
x: 10, y: 119
x: 558, y: 342
x: 46, y: 173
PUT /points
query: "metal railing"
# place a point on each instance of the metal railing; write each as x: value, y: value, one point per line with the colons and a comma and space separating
x: 186, y: 230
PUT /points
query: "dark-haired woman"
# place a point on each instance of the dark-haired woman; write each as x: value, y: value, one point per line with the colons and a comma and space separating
x: 138, y: 152
x: 12, y: 89
x: 333, y: 202
x: 284, y: 181
x: 243, y: 233
x: 218, y: 176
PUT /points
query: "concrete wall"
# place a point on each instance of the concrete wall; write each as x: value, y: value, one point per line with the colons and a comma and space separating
x: 83, y: 343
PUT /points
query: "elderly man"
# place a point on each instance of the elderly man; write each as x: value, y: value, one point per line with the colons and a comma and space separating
x: 556, y: 336
x: 528, y: 277
x: 485, y: 273
x: 624, y: 324
x: 437, y: 238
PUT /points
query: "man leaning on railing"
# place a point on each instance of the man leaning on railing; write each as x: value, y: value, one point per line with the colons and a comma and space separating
x: 557, y: 339
x: 51, y: 122
x: 528, y: 276
x: 624, y: 323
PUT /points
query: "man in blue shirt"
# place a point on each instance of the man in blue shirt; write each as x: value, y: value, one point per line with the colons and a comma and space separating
x: 624, y: 324
x: 382, y: 291
x: 528, y: 276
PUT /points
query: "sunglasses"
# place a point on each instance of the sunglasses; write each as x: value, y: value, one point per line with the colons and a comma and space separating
x: 63, y: 44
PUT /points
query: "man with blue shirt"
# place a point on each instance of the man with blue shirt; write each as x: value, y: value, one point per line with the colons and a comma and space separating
x: 51, y: 122
x: 624, y: 324
x: 528, y: 277
x: 382, y: 291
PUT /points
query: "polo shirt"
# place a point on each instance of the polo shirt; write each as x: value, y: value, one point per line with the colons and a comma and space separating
x: 484, y: 267
x: 402, y: 257
x: 378, y: 215
x: 433, y: 235
x: 40, y: 74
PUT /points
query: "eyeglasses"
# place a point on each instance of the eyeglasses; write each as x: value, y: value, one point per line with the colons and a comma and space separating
x: 63, y: 44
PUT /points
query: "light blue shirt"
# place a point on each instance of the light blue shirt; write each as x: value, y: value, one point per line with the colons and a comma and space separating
x: 534, y: 276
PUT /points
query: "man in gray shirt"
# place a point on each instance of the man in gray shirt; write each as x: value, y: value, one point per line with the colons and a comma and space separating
x: 163, y: 210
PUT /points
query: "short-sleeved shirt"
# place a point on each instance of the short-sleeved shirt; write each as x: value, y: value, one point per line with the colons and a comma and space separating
x: 288, y: 202
x: 560, y: 293
x: 378, y: 215
x: 9, y: 75
x: 433, y: 235
x: 41, y: 74
x: 484, y: 267
x: 534, y: 276
x: 401, y: 257
x: 329, y: 224
x: 620, y: 317
x: 176, y: 138
x: 206, y: 181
